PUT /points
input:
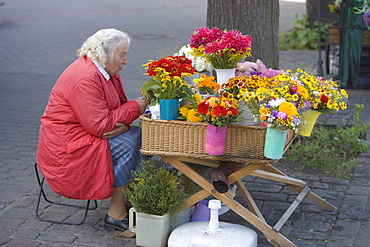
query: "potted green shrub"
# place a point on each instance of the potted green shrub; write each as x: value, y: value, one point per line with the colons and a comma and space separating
x: 154, y: 194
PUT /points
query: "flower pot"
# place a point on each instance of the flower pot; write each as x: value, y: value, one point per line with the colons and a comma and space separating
x: 246, y: 115
x: 206, y: 95
x: 274, y: 143
x: 309, y: 118
x: 151, y: 230
x: 215, y: 139
x: 169, y: 109
x: 223, y: 75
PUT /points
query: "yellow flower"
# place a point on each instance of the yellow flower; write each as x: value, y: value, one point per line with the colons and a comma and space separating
x: 344, y: 93
x: 295, y: 97
x: 184, y: 110
x: 262, y: 90
x: 260, y: 97
x: 303, y: 92
x: 288, y: 97
x: 194, y: 116
x: 274, y: 94
x: 197, y: 98
x: 288, y: 108
x: 330, y: 104
x: 343, y: 105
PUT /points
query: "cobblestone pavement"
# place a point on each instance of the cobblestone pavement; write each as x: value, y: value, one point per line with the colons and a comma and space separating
x: 38, y: 39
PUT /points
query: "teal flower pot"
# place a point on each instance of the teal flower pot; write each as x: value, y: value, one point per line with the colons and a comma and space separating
x: 274, y: 143
x: 169, y: 109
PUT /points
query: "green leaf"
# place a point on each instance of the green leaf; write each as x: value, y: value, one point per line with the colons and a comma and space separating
x: 151, y: 85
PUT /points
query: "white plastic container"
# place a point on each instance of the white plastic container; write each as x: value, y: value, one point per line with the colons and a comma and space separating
x: 151, y: 230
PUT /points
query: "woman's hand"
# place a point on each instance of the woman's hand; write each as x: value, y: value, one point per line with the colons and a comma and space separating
x: 143, y: 103
x: 120, y: 129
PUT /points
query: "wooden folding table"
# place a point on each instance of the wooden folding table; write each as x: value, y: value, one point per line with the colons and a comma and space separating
x: 182, y: 144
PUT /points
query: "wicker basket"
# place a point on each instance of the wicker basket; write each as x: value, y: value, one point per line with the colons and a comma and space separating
x: 187, y: 139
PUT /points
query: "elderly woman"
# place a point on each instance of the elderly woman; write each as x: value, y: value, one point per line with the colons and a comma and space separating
x: 87, y: 147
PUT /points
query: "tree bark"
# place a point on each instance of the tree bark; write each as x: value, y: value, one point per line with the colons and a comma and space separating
x: 259, y: 19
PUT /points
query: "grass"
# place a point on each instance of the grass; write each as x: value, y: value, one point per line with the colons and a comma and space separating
x: 332, y: 149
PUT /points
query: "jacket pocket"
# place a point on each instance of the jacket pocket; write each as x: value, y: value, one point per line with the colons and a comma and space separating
x: 80, y: 143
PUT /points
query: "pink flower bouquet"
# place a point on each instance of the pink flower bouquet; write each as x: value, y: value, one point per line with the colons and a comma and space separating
x: 223, y: 49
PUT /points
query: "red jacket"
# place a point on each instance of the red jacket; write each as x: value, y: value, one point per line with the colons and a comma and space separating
x: 82, y: 106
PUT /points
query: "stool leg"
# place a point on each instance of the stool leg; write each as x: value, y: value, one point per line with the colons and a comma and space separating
x: 42, y: 193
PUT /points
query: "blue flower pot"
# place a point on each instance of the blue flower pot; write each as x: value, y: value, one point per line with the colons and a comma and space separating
x: 169, y: 109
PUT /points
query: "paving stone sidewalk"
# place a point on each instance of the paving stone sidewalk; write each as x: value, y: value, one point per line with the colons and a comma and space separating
x: 38, y: 39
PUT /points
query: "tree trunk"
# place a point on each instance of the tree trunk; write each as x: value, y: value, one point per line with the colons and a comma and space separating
x: 259, y: 19
x: 325, y: 15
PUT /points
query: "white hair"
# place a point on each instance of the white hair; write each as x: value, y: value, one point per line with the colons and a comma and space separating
x: 102, y: 44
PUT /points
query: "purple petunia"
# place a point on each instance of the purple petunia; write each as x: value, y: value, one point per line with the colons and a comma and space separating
x: 282, y: 115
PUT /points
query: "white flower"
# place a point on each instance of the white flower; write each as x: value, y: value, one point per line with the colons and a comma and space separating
x: 296, y: 78
x: 184, y: 51
x: 199, y: 63
x: 276, y: 102
x: 337, y: 3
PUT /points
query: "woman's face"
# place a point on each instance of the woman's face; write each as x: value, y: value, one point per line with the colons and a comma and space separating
x: 119, y: 60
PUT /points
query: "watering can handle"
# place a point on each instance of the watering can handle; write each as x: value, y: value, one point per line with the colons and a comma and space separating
x: 131, y: 223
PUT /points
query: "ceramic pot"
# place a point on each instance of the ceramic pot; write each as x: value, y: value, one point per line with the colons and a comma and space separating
x: 223, y: 75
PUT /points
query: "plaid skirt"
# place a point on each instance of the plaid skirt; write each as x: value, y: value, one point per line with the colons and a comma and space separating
x: 126, y: 156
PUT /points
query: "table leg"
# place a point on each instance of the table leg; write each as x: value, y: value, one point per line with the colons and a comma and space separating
x: 296, y: 184
x: 193, y: 199
x: 270, y: 233
x: 249, y: 200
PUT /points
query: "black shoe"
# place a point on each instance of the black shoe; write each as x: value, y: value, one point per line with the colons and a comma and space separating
x: 111, y: 224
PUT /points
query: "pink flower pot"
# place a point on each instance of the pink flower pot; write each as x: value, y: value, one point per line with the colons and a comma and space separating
x: 215, y: 139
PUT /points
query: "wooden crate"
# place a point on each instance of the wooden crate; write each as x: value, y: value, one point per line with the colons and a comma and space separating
x: 334, y: 36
